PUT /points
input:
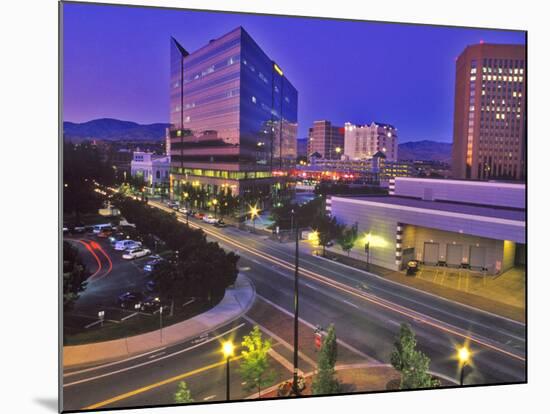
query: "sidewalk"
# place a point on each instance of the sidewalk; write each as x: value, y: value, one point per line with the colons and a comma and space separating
x: 362, y: 377
x: 236, y: 302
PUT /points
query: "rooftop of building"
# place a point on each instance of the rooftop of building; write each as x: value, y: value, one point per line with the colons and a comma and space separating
x: 446, y: 206
x: 493, y: 183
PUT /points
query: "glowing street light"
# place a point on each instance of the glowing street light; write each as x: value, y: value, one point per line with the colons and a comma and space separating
x: 464, y: 356
x: 367, y: 240
x: 254, y: 212
x: 228, y: 349
x: 215, y: 204
x: 338, y: 150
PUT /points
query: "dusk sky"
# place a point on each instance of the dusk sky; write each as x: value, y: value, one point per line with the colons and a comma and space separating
x: 116, y: 65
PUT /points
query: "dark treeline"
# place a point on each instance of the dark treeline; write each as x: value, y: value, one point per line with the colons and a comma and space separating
x: 196, y: 268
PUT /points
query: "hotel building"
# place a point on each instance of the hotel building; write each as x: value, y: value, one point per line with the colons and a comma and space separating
x: 363, y: 141
x: 489, y: 134
x: 233, y: 116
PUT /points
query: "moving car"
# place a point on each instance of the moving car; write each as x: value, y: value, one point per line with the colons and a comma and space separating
x: 199, y: 215
x: 136, y: 253
x: 220, y: 223
x: 183, y: 210
x: 129, y: 300
x: 209, y: 219
x: 126, y: 244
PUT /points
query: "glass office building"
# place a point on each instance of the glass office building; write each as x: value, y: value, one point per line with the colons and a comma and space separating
x: 233, y: 116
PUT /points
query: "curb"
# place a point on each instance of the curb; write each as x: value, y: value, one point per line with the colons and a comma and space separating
x: 242, y: 311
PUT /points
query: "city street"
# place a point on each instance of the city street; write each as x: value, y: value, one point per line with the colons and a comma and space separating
x: 366, y: 310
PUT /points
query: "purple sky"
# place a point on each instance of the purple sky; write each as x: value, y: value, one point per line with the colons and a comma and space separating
x: 116, y: 65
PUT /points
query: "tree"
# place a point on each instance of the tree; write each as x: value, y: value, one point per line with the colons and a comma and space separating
x: 182, y: 394
x: 327, y: 228
x: 74, y: 276
x: 255, y: 369
x: 410, y: 362
x: 325, y: 381
x: 347, y: 238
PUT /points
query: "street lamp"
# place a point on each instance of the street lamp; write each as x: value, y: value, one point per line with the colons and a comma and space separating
x: 253, y: 214
x: 367, y: 239
x: 215, y: 204
x: 464, y: 356
x: 296, y: 303
x: 185, y: 197
x: 227, y: 348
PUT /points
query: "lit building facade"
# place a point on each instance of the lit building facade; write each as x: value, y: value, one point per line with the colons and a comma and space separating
x: 375, y: 170
x: 326, y: 140
x: 233, y: 117
x: 463, y: 224
x: 489, y: 134
x: 363, y: 141
x: 153, y: 169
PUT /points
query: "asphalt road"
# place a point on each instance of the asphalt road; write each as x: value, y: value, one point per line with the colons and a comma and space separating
x: 367, y: 311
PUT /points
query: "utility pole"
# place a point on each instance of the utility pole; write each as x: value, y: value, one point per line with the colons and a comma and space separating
x: 296, y: 303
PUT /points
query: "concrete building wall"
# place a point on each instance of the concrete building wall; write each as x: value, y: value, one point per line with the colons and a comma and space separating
x: 475, y: 192
x: 381, y: 228
x: 508, y: 255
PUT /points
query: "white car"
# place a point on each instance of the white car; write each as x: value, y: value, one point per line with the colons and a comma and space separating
x: 127, y: 244
x: 136, y: 253
x: 182, y: 210
x: 209, y: 219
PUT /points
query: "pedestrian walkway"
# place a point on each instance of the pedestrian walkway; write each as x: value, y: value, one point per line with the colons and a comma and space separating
x: 237, y: 300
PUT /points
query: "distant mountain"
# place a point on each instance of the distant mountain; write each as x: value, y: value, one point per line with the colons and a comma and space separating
x: 114, y: 130
x: 425, y: 151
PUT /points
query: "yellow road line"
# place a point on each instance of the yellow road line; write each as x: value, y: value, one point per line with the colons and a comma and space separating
x: 156, y: 385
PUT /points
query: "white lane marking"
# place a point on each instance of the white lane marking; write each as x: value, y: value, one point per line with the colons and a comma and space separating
x: 152, y: 361
x: 351, y: 304
x: 309, y: 324
x: 210, y: 397
x: 130, y: 316
x: 311, y: 286
x: 281, y: 360
x: 423, y: 292
x: 392, y: 322
x: 82, y: 371
x: 92, y: 324
x: 156, y: 355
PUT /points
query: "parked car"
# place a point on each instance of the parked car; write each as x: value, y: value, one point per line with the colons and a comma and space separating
x: 198, y: 215
x: 209, y: 219
x: 136, y: 253
x: 65, y: 229
x: 151, y: 285
x: 128, y: 300
x: 150, y: 304
x: 220, y: 223
x: 105, y: 232
x: 116, y: 237
x: 98, y: 227
x: 183, y: 210
x: 152, y: 264
x: 126, y: 244
x: 79, y: 229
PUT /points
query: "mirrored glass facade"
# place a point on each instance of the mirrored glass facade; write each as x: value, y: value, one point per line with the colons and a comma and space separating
x: 233, y: 114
